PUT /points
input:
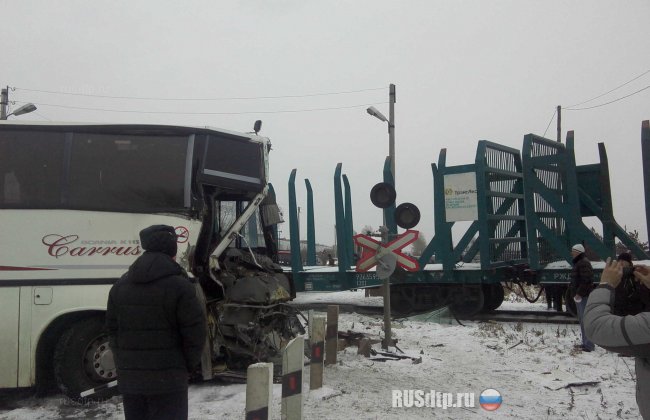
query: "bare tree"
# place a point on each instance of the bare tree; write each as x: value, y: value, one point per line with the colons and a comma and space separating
x: 634, y: 235
x: 367, y: 230
x: 420, y: 244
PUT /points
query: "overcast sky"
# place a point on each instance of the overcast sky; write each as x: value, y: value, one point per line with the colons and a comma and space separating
x: 464, y: 71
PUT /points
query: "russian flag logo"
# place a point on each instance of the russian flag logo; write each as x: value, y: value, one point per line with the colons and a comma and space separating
x: 490, y: 399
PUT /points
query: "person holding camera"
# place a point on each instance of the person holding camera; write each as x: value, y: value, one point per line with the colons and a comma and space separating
x: 630, y: 298
x: 582, y: 283
x: 628, y: 334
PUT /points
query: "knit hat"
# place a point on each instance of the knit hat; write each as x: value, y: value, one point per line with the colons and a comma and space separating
x: 625, y: 256
x: 159, y: 238
x: 578, y: 248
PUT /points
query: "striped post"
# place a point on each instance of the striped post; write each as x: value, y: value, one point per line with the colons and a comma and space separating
x: 332, y: 335
x: 259, y: 391
x: 317, y: 352
x: 292, y: 379
x: 310, y: 322
x: 95, y: 390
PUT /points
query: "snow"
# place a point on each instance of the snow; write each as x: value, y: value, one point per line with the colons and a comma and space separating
x: 597, y: 265
x: 428, y: 267
x: 347, y: 297
x: 531, y: 365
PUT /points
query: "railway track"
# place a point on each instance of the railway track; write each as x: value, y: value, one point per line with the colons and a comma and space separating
x: 545, y: 317
x: 539, y: 317
x: 343, y: 307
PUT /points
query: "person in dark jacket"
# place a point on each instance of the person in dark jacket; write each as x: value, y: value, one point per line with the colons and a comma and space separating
x: 582, y: 282
x: 157, y: 330
x: 629, y: 334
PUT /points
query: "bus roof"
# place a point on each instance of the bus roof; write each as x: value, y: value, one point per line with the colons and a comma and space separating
x: 155, y: 129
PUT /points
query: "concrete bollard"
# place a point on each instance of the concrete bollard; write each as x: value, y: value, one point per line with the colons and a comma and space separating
x: 364, y: 347
x: 317, y: 353
x: 332, y: 335
x: 259, y: 391
x: 292, y: 358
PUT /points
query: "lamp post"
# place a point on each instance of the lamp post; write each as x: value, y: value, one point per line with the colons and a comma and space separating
x: 391, y: 125
x: 4, y: 101
x: 391, y: 153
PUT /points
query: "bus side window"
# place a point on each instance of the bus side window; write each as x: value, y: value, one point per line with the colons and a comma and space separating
x: 127, y: 172
x: 31, y: 168
x: 11, y: 189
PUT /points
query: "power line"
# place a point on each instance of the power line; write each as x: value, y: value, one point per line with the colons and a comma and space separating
x: 607, y: 103
x: 610, y: 91
x: 571, y: 108
x: 205, y: 113
x: 42, y: 116
x: 549, y: 123
x: 199, y: 99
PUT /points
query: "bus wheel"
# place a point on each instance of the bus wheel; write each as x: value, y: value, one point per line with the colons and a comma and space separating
x: 83, y: 360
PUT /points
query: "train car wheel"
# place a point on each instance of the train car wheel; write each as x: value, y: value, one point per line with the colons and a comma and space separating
x: 408, y: 299
x: 467, y: 300
x: 493, y: 296
x: 401, y: 300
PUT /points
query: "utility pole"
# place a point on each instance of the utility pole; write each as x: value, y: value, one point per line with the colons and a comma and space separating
x: 4, y: 101
x: 384, y: 229
x: 559, y: 124
x: 388, y: 333
x: 645, y: 159
x: 558, y: 180
x: 391, y: 128
x: 388, y: 339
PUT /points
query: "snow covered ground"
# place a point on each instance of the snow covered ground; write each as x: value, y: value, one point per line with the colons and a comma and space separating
x: 530, y: 365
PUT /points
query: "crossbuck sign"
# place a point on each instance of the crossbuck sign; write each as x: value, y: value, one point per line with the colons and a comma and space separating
x: 373, y: 250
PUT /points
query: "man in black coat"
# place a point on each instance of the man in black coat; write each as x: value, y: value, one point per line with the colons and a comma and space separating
x: 582, y: 283
x: 157, y: 330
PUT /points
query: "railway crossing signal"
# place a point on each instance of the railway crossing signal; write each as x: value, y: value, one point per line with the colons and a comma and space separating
x: 383, y: 195
x: 386, y: 266
x: 374, y: 250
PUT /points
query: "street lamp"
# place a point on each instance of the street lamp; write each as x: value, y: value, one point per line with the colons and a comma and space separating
x: 391, y: 125
x: 25, y: 109
x: 375, y: 113
x: 4, y: 101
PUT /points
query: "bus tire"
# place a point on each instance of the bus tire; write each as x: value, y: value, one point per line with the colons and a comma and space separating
x: 83, y: 360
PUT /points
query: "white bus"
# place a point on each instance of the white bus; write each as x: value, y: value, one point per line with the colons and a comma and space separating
x: 73, y: 198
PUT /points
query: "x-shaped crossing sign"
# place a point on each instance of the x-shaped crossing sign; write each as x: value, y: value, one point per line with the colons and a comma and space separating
x: 373, y: 250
